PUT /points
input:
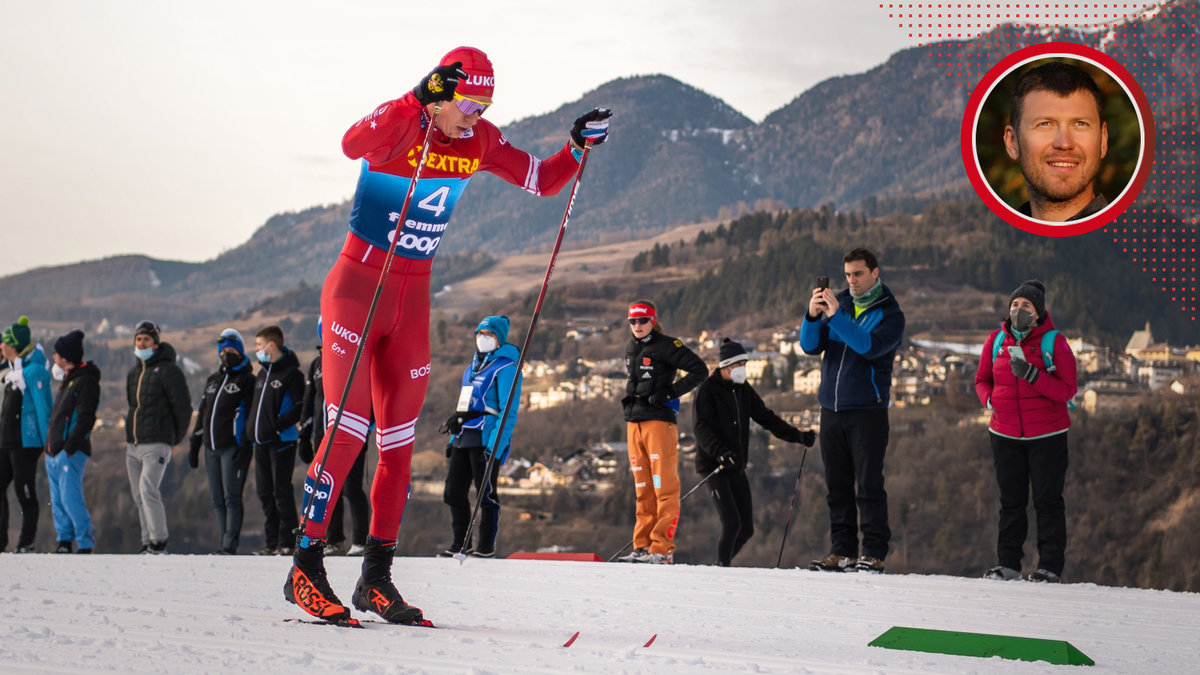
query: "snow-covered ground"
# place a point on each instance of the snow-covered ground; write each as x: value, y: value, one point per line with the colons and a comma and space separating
x: 213, y: 614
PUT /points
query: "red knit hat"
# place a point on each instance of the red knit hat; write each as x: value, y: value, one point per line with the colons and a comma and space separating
x: 480, y: 78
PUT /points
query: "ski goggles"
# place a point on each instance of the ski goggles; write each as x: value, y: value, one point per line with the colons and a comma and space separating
x: 470, y: 106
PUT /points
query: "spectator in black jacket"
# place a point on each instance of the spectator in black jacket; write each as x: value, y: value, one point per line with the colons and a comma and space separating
x: 160, y: 409
x: 722, y: 411
x: 313, y: 423
x: 221, y: 430
x: 651, y: 402
x: 69, y: 442
x: 274, y: 412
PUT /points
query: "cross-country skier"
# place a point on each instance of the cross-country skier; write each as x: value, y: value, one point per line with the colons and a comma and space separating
x: 393, y: 371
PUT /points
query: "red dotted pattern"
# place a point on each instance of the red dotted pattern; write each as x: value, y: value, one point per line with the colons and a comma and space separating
x: 1159, y: 230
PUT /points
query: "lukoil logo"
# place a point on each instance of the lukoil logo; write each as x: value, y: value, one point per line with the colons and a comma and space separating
x: 415, y: 373
x: 343, y: 332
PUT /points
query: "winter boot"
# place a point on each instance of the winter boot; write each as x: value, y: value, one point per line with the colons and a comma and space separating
x: 374, y: 591
x: 307, y: 585
x: 1002, y: 573
x: 835, y: 563
x: 636, y: 555
x: 869, y: 563
x: 64, y: 547
x: 1044, y: 576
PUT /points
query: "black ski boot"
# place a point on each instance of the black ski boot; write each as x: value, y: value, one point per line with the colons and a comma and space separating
x: 374, y: 591
x: 307, y: 585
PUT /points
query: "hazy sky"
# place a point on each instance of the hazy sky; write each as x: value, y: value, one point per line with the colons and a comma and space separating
x: 176, y: 129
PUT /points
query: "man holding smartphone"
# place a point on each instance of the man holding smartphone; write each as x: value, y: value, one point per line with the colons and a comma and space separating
x: 857, y: 332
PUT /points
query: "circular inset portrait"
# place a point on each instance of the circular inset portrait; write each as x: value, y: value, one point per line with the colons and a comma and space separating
x: 1058, y: 139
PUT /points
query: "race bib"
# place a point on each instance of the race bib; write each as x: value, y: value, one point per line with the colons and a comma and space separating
x: 464, y: 399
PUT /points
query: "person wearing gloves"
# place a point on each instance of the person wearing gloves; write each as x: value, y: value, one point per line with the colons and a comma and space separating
x: 722, y: 411
x: 23, y: 429
x: 160, y: 410
x: 651, y: 402
x: 1027, y: 379
x: 221, y: 431
x: 274, y: 412
x: 69, y: 443
x: 392, y: 372
x: 475, y: 435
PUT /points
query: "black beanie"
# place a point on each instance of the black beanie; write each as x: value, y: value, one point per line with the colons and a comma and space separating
x: 70, y: 346
x: 731, y: 353
x: 1035, y: 292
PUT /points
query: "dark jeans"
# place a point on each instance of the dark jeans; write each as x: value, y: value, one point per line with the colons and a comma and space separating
x: 853, y: 445
x: 731, y: 494
x: 466, y: 467
x: 273, y: 463
x: 19, y: 467
x: 1042, y: 464
x: 360, y: 506
x: 225, y: 483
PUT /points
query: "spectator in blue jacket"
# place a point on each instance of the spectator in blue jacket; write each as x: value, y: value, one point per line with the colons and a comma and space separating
x: 23, y: 428
x: 858, y: 332
x: 475, y: 428
x: 69, y: 442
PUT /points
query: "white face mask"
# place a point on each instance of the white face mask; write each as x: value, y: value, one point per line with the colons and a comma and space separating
x: 262, y: 356
x: 57, y: 372
x: 143, y: 354
x: 738, y: 375
x: 486, y: 343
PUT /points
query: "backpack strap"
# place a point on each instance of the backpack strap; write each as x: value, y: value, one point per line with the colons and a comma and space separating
x: 1048, y: 349
x: 996, y: 340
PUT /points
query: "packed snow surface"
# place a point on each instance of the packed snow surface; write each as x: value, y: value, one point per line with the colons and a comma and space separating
x: 221, y: 614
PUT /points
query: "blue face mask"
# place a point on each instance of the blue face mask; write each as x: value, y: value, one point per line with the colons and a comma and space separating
x: 143, y: 354
x: 262, y: 356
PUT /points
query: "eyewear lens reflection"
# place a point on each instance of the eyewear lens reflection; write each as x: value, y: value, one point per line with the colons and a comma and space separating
x: 639, y: 321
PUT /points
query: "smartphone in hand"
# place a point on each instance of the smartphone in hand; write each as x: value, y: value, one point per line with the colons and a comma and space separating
x: 822, y: 282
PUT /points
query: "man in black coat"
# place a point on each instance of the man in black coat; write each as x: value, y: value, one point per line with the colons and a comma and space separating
x: 160, y: 410
x: 723, y: 408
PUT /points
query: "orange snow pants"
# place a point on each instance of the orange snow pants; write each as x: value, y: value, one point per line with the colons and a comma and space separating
x: 654, y: 462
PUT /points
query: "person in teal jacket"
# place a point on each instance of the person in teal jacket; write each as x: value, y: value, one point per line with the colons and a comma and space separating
x: 476, y: 434
x: 25, y: 421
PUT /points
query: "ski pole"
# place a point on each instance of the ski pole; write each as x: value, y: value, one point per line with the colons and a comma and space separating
x: 689, y: 492
x: 387, y: 266
x: 795, y: 493
x: 485, y: 485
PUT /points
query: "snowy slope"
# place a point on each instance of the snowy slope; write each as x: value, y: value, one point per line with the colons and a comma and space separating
x: 211, y: 614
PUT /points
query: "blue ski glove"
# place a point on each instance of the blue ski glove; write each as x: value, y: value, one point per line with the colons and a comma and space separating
x: 439, y: 84
x: 591, y: 126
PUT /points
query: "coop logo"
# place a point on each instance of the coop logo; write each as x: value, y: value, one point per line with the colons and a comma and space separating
x: 416, y: 373
x: 345, y: 333
x: 412, y: 242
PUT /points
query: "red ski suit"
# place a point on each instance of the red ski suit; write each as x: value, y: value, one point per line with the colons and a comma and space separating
x: 394, y: 369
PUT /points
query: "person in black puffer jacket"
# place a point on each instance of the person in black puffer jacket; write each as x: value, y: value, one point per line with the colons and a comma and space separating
x: 221, y: 430
x: 69, y: 443
x: 651, y: 402
x: 722, y: 411
x: 160, y: 409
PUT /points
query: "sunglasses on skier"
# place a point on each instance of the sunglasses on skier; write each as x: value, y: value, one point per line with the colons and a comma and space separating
x: 638, y: 321
x: 469, y: 106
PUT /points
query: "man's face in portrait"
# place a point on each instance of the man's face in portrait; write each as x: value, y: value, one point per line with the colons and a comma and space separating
x: 1059, y: 143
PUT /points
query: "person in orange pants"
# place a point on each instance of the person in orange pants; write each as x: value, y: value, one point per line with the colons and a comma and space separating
x: 652, y: 360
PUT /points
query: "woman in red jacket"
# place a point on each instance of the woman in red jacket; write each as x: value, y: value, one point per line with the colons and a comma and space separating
x: 1027, y: 381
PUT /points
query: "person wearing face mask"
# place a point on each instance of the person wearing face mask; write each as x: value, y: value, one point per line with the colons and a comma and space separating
x: 220, y: 430
x: 23, y: 428
x: 160, y: 410
x: 651, y: 402
x: 1027, y: 379
x: 475, y: 427
x: 274, y: 413
x: 69, y: 443
x: 721, y: 416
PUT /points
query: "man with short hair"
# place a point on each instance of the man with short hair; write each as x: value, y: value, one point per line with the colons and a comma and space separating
x: 160, y: 408
x: 274, y: 412
x: 69, y: 443
x: 1057, y: 134
x: 857, y: 331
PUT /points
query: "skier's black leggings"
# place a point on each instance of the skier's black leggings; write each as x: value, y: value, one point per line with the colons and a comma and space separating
x: 731, y: 494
